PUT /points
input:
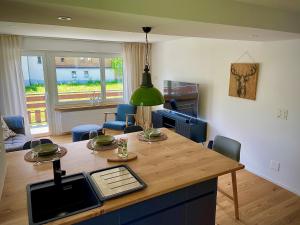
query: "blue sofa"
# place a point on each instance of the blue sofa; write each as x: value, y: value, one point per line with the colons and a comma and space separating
x: 16, y: 124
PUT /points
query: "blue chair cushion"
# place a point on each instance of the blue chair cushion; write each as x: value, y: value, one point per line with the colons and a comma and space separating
x: 116, y: 125
x: 79, y: 131
x: 15, y: 143
x: 124, y: 109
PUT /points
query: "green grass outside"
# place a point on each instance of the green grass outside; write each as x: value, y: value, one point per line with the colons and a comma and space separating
x: 74, y: 87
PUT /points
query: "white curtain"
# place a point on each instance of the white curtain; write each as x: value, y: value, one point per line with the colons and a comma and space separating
x: 12, y: 90
x: 134, y: 63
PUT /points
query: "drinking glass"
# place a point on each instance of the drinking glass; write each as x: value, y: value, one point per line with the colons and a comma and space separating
x: 122, y: 148
x: 35, y: 143
x: 92, y: 135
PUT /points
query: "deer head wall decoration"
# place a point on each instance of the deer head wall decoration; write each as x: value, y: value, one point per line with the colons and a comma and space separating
x: 244, y: 75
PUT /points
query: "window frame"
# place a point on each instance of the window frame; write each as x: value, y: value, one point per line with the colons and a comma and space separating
x: 52, y: 66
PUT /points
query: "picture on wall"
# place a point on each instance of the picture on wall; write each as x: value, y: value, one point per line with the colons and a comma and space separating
x: 243, y: 80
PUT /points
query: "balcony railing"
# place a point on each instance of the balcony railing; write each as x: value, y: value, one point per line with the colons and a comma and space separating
x: 36, y: 104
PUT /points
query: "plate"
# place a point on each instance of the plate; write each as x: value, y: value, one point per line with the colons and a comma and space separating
x: 104, y: 140
x: 45, y: 149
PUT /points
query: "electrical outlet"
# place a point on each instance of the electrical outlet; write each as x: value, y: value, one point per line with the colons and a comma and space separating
x: 275, y: 165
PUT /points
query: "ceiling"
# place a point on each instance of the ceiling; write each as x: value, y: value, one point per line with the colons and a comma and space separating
x: 115, y: 20
x: 289, y: 5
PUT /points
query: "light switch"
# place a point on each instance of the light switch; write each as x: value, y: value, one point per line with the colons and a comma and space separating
x: 275, y: 165
x: 285, y: 114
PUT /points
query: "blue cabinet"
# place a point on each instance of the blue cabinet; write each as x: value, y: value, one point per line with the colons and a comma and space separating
x: 187, y: 126
x: 193, y: 205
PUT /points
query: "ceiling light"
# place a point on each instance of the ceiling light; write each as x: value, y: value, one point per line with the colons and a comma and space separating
x: 64, y: 18
x: 147, y: 94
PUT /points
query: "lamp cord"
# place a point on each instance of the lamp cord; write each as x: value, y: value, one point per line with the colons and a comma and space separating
x: 147, y: 51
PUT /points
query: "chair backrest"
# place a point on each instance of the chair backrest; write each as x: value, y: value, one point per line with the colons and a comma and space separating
x: 124, y: 109
x: 133, y: 128
x: 227, y: 147
x: 43, y: 141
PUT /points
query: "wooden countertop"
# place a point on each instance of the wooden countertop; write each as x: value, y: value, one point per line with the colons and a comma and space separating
x: 165, y: 166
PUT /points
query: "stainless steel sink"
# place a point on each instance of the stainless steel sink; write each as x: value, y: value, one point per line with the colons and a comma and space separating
x: 48, y: 201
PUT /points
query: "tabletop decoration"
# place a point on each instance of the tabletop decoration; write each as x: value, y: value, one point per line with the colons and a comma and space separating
x: 122, y: 154
x: 152, y: 135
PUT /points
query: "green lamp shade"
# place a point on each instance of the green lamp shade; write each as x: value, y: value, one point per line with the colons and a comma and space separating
x: 147, y: 96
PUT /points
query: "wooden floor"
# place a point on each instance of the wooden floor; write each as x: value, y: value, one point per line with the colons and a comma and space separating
x: 261, y: 202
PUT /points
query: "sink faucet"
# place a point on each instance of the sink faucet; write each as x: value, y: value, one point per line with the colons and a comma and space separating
x: 57, y: 172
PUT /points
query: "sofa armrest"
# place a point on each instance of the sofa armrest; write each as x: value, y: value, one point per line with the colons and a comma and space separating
x: 15, y: 123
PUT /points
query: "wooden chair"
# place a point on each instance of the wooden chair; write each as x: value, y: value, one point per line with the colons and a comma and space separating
x: 230, y: 148
x: 124, y: 117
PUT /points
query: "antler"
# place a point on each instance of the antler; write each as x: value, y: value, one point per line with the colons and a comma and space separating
x: 252, y: 71
x: 234, y: 72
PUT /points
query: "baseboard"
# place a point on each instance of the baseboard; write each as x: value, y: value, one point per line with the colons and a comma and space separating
x: 296, y: 192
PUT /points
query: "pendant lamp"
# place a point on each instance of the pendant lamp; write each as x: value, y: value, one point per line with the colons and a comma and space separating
x: 146, y: 94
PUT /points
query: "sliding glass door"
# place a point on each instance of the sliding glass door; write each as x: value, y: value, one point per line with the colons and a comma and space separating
x: 34, y: 81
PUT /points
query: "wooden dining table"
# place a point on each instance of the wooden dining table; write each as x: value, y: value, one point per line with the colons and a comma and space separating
x: 168, y: 166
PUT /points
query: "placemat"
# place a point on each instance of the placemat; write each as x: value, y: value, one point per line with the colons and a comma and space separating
x: 112, y: 146
x: 162, y: 137
x: 29, y: 157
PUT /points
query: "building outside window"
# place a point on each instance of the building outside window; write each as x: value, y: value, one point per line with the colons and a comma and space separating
x: 74, y: 75
x: 79, y: 79
x: 86, y: 74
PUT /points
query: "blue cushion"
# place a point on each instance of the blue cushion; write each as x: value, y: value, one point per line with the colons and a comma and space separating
x: 15, y: 123
x: 124, y: 109
x: 116, y: 125
x: 15, y: 143
x: 79, y: 131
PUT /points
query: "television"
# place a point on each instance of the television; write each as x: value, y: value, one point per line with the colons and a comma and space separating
x: 182, y: 97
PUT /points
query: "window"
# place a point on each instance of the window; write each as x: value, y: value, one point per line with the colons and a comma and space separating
x: 74, y: 76
x: 39, y: 60
x: 80, y: 79
x: 86, y: 74
x: 114, y: 77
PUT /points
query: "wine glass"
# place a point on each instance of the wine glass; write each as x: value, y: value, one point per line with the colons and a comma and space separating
x: 35, y: 144
x: 92, y: 135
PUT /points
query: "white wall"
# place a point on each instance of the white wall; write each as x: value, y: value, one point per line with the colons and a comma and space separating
x: 264, y: 137
x: 72, y: 119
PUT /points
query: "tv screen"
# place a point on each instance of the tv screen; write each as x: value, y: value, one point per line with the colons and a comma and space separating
x: 181, y: 97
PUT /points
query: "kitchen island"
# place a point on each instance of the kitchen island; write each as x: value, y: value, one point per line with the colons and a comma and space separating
x: 181, y: 176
